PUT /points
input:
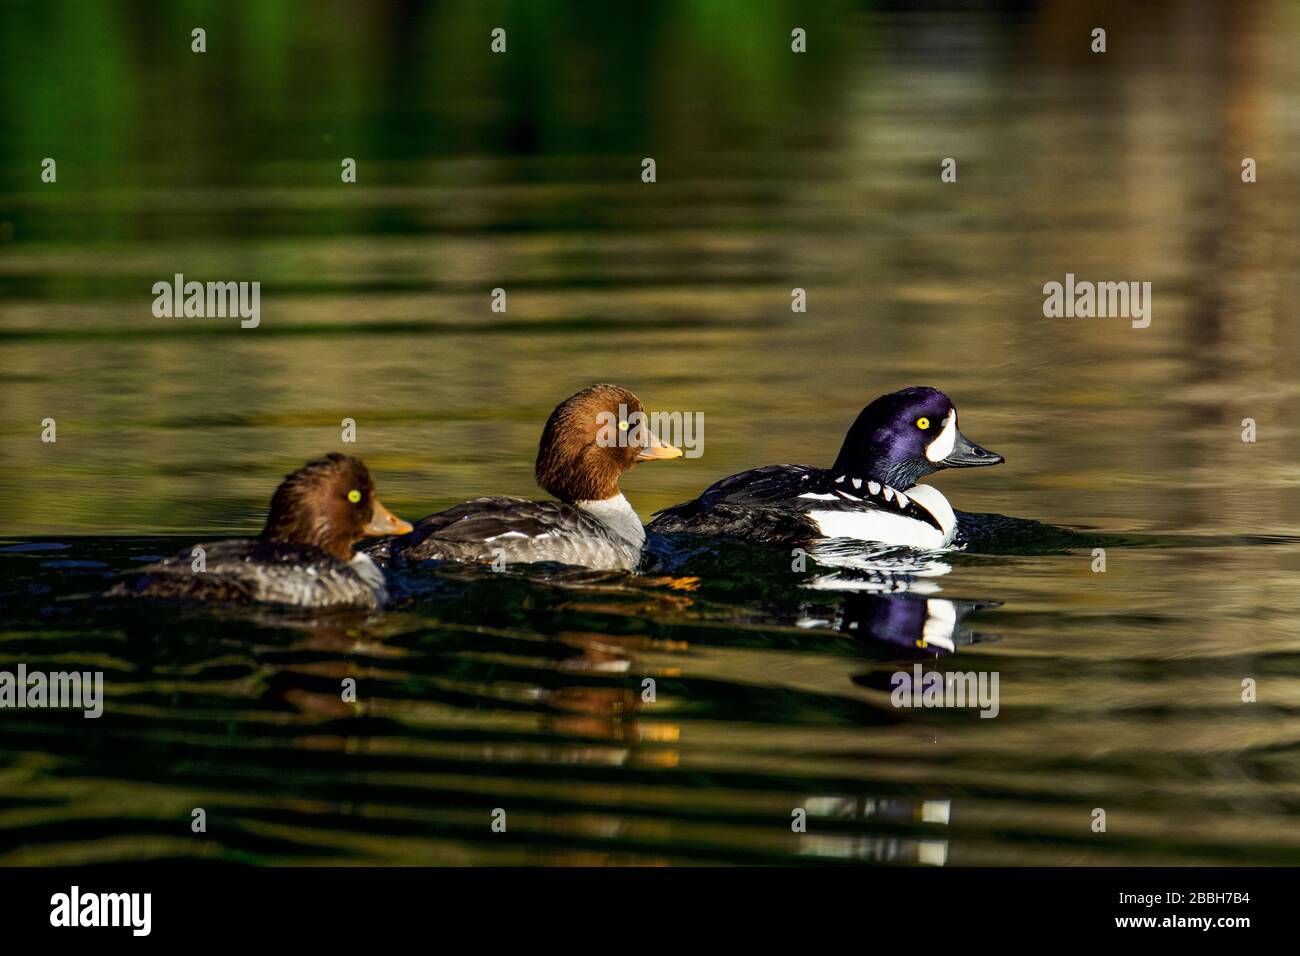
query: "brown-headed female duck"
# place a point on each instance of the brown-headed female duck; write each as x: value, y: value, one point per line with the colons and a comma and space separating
x: 589, y: 441
x: 303, y: 556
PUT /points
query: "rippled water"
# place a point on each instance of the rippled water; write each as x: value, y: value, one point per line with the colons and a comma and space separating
x: 1119, y: 690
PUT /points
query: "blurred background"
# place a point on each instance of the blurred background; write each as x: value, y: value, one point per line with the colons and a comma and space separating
x: 521, y: 171
x: 775, y: 170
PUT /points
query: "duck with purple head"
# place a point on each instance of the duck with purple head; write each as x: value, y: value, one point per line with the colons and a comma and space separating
x: 302, y: 558
x: 869, y: 494
x: 591, y: 525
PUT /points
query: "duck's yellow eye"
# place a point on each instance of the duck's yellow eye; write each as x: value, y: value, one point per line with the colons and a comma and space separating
x: 923, y: 423
x: 354, y: 496
x: 622, y: 426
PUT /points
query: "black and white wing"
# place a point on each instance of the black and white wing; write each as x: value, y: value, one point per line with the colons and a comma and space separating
x: 797, y: 503
x: 762, y: 504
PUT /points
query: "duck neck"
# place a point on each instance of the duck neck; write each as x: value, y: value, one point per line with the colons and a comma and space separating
x: 896, y: 474
x: 298, y: 532
x: 618, y: 516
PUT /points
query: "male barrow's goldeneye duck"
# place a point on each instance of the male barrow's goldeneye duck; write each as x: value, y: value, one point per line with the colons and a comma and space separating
x: 304, y: 555
x: 589, y: 441
x: 896, y: 440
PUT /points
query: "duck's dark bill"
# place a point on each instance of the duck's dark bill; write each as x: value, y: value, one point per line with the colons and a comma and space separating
x: 967, y: 454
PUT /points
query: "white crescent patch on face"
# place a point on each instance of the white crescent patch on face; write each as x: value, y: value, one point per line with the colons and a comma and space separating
x: 941, y: 447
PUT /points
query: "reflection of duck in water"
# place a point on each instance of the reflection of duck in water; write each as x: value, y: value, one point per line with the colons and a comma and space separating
x: 891, y: 596
x: 889, y: 813
x: 922, y: 624
x: 850, y: 567
x: 885, y: 594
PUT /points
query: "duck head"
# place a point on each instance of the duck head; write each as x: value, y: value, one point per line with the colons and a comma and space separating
x: 904, y: 436
x: 329, y: 504
x: 591, y: 439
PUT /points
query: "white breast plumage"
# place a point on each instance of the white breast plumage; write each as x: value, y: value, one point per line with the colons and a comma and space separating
x: 369, y: 572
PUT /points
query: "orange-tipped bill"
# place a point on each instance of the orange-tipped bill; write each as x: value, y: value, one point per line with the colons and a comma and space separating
x: 383, y: 522
x: 658, y: 449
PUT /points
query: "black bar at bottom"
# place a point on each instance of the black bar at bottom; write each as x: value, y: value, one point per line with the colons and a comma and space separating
x: 332, y: 905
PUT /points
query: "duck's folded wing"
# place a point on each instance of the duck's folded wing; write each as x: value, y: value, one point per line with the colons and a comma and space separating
x: 481, y: 529
x: 763, y: 503
x: 794, y: 503
x: 239, y: 571
x: 758, y: 486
